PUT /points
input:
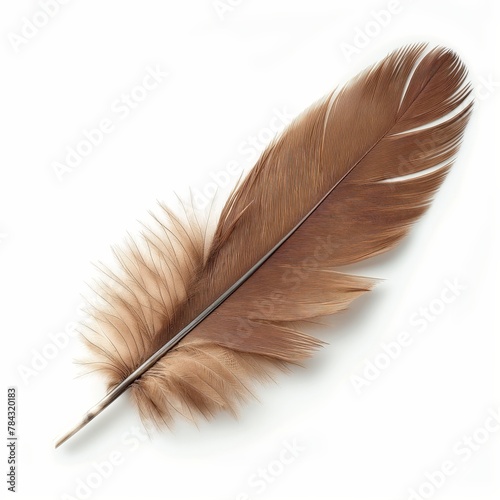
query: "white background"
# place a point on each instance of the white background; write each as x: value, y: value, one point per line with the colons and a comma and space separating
x: 229, y: 72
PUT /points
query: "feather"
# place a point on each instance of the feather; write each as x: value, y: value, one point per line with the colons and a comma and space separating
x: 343, y: 183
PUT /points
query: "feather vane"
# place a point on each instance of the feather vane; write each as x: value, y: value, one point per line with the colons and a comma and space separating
x: 343, y: 183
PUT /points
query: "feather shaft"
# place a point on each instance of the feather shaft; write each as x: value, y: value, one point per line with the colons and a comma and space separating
x: 189, y: 318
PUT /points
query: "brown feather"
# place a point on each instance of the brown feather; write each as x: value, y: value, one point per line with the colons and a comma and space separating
x: 364, y: 144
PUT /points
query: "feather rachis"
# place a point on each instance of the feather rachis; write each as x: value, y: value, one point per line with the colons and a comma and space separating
x: 348, y: 148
